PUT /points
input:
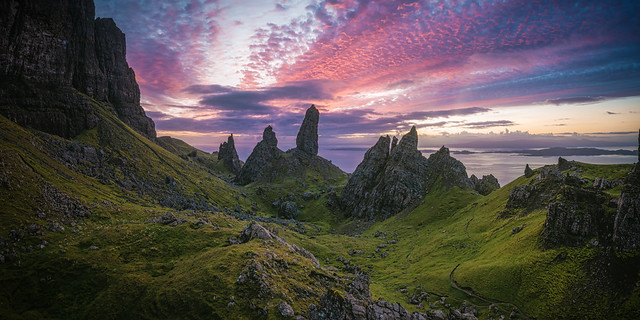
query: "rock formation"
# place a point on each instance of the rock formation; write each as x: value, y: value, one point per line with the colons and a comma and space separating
x: 356, y: 303
x: 452, y: 171
x: 528, y: 172
x: 268, y: 164
x: 261, y: 158
x: 307, y: 139
x: 393, y: 176
x: 49, y: 53
x: 228, y: 155
x: 485, y: 185
x: 575, y: 217
x: 626, y: 234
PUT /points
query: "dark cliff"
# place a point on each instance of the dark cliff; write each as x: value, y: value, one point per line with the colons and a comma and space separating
x: 52, y: 49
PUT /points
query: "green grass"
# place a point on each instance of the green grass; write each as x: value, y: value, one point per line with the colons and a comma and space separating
x: 146, y: 270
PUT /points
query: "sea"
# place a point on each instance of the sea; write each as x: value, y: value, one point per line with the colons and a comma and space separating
x: 505, y: 166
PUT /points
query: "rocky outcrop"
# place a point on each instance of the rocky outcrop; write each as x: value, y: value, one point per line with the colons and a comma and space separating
x: 393, y: 177
x: 386, y: 182
x: 485, y: 185
x: 307, y: 139
x: 268, y: 164
x: 577, y: 216
x: 451, y: 171
x: 261, y: 159
x: 626, y: 234
x: 52, y: 50
x: 356, y: 303
x: 528, y: 172
x: 229, y: 156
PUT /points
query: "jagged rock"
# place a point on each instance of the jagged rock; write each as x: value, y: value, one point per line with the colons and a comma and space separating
x: 519, y: 196
x: 307, y: 139
x: 528, y: 172
x: 285, y: 310
x: 605, y: 184
x: 357, y: 304
x: 387, y: 182
x: 576, y: 216
x: 551, y: 172
x: 626, y: 234
x: 255, y: 230
x: 261, y: 158
x: 452, y: 171
x: 54, y: 47
x: 228, y: 155
x: 485, y: 185
x: 288, y: 210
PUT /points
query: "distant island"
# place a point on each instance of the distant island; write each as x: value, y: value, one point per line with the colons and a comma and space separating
x: 560, y: 152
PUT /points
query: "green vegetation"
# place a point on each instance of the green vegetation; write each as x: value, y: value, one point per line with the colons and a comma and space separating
x: 119, y: 263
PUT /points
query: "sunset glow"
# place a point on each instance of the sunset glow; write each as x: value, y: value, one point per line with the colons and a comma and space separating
x: 452, y: 68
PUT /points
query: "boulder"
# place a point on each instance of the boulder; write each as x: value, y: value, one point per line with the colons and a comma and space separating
x: 255, y: 230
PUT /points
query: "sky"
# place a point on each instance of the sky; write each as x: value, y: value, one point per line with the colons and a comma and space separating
x: 524, y: 74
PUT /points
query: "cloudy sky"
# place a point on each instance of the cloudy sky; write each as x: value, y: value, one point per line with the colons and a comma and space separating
x: 466, y: 73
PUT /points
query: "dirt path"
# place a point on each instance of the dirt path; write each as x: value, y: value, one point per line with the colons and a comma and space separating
x: 469, y: 292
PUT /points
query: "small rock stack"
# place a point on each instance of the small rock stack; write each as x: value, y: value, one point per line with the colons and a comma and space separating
x: 229, y: 156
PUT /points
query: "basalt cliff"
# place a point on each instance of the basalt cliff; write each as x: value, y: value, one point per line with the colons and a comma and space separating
x: 52, y: 50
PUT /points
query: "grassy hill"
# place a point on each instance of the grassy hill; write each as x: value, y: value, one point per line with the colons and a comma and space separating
x: 111, y: 225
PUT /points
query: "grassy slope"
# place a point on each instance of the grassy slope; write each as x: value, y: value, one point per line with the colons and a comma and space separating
x: 148, y: 270
x: 456, y: 227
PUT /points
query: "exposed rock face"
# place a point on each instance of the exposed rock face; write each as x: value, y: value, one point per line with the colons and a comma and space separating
x: 53, y: 46
x: 269, y: 164
x: 485, y: 185
x: 577, y: 216
x: 356, y: 303
x: 255, y: 230
x: 228, y: 155
x: 451, y: 170
x: 393, y: 177
x: 307, y: 139
x: 261, y: 158
x: 385, y: 182
x: 528, y: 172
x: 626, y: 234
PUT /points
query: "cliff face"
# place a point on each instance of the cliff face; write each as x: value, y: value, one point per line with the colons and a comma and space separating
x: 50, y: 49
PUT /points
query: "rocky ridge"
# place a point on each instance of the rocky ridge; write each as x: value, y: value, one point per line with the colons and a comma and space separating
x: 579, y: 211
x: 229, y: 156
x: 55, y: 49
x: 395, y: 175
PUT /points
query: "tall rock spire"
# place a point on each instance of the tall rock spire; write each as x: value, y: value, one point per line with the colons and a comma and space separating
x: 307, y: 139
x: 229, y: 156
